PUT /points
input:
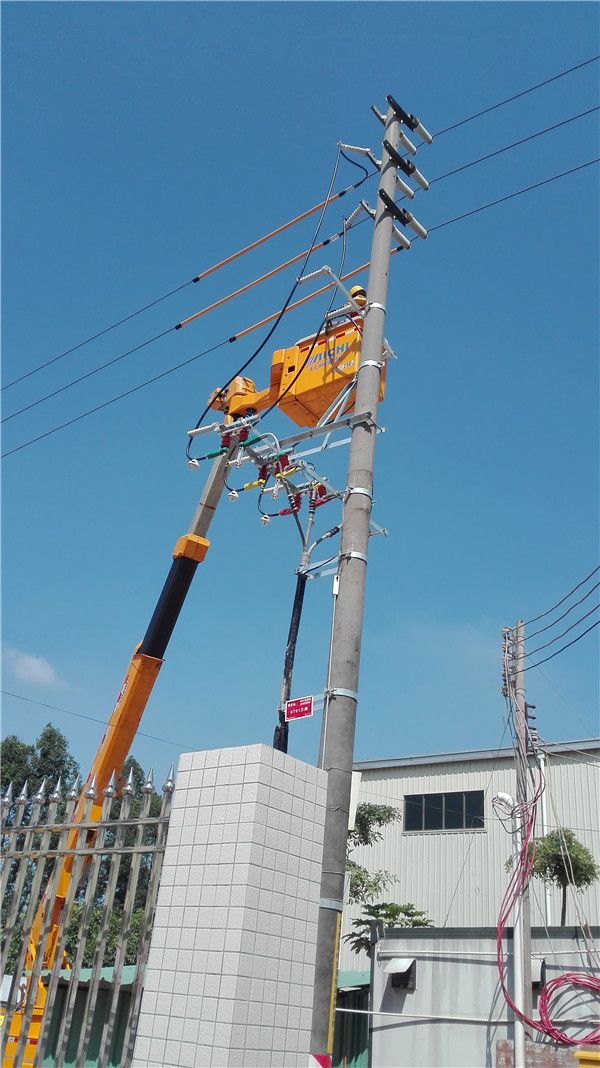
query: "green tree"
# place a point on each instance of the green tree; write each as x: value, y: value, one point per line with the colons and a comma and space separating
x: 388, y: 913
x: 369, y: 819
x: 561, y: 860
x: 48, y: 759
x: 366, y: 887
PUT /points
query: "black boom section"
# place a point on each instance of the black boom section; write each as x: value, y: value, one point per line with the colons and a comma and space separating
x: 169, y: 606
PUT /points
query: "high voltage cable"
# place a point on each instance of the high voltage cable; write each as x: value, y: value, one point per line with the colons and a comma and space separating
x: 89, y: 374
x: 559, y: 636
x: 198, y: 278
x: 275, y: 270
x: 515, y: 144
x: 517, y: 96
x: 554, y: 622
x: 291, y: 307
x: 567, y: 646
x: 509, y: 196
x: 565, y: 598
x: 92, y: 719
x: 157, y: 337
x: 287, y: 225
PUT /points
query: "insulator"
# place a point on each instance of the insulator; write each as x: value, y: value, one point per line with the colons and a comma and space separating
x: 243, y: 434
x: 226, y: 439
x: 322, y: 490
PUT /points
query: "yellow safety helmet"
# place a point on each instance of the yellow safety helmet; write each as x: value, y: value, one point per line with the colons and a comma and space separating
x: 359, y: 295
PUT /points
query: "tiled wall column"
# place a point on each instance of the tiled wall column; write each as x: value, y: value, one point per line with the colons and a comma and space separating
x: 230, y: 975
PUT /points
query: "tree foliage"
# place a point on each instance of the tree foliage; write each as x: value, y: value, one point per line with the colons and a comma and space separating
x: 366, y: 886
x: 561, y: 860
x: 390, y: 915
x: 48, y: 759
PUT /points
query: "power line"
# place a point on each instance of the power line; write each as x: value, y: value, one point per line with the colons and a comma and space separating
x: 89, y: 374
x: 303, y: 216
x: 113, y: 400
x: 92, y: 719
x: 515, y: 144
x: 198, y: 278
x: 290, y: 307
x: 565, y: 598
x: 517, y: 96
x: 559, y: 636
x: 510, y: 196
x: 565, y: 614
x: 568, y: 646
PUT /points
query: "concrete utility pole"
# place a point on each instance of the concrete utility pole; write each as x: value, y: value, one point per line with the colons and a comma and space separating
x: 337, y: 744
x: 522, y: 770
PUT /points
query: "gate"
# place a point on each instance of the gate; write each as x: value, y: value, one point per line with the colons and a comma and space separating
x: 69, y: 1014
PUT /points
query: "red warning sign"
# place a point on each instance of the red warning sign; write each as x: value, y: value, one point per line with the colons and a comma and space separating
x: 300, y: 708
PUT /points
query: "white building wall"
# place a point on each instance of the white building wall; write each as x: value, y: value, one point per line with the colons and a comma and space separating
x: 458, y: 877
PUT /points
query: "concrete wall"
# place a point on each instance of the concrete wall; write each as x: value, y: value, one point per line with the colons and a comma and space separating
x: 231, y: 968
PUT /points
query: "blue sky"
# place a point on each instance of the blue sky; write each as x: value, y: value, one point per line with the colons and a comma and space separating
x: 145, y: 142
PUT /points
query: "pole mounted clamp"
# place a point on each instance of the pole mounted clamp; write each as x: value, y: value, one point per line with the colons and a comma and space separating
x: 375, y: 304
x: 354, y: 555
x: 359, y: 489
x: 371, y: 363
x: 329, y: 903
x: 338, y: 691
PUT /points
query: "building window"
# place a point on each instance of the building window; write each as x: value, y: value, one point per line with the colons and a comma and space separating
x: 459, y: 811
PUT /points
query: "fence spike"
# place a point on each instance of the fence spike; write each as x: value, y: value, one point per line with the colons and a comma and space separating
x: 169, y: 785
x: 91, y: 793
x: 55, y: 795
x: 22, y: 799
x: 111, y: 790
x: 40, y: 795
x: 73, y: 793
x: 128, y: 789
x: 8, y: 797
x: 148, y: 787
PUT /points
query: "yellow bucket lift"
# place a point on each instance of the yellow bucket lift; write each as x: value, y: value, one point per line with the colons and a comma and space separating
x: 306, y: 379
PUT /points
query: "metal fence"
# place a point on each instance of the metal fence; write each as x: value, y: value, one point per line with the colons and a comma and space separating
x: 57, y: 1012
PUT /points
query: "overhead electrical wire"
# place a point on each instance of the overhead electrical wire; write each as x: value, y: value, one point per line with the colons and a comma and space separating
x: 510, y: 196
x: 94, y: 719
x: 157, y: 337
x: 564, y: 615
x: 559, y: 636
x: 515, y: 144
x: 262, y: 278
x: 278, y: 317
x: 292, y: 222
x: 567, y: 646
x: 290, y: 307
x: 198, y: 278
x: 517, y: 96
x: 543, y: 615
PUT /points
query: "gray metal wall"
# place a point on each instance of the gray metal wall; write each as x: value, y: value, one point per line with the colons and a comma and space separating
x: 458, y: 877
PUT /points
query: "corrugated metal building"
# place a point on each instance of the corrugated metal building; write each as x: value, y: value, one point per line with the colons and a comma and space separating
x: 448, y: 852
